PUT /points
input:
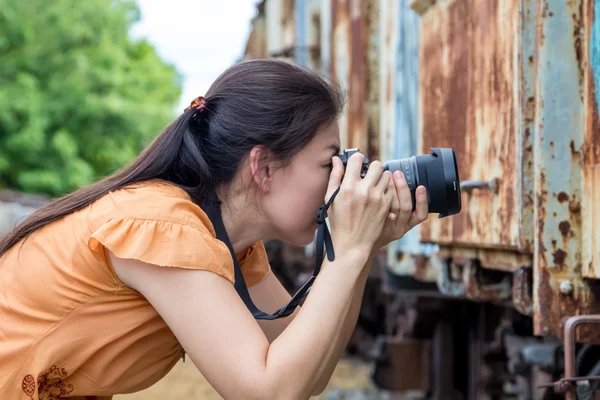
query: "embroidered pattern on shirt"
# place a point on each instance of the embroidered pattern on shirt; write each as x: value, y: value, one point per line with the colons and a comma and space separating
x: 50, y: 385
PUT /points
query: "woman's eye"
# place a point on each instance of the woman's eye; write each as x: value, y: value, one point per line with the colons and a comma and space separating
x: 330, y: 166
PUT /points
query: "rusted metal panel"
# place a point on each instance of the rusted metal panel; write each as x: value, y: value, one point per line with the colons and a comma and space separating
x: 308, y: 34
x: 591, y: 145
x: 354, y: 64
x: 470, y: 87
x: 326, y: 37
x: 256, y: 45
x: 399, y: 90
x: 405, y: 366
x: 281, y: 28
x: 561, y: 119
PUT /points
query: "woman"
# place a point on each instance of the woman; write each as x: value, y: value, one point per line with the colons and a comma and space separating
x: 102, y: 290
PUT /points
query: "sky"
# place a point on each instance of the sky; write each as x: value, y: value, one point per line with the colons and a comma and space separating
x: 201, y: 38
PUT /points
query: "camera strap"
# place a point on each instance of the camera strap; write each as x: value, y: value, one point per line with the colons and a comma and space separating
x: 212, y: 207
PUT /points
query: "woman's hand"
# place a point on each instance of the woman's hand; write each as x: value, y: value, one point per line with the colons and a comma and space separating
x: 401, y: 218
x: 358, y: 213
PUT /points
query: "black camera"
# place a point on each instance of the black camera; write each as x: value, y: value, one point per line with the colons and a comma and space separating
x: 437, y: 171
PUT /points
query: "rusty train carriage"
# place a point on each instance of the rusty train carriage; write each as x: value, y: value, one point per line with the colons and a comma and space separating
x: 511, y: 86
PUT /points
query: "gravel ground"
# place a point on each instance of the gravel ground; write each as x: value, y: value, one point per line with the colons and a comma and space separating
x: 350, y: 381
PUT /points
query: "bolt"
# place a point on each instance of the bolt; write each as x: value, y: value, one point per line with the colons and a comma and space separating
x: 546, y: 330
x: 566, y: 287
x: 574, y: 206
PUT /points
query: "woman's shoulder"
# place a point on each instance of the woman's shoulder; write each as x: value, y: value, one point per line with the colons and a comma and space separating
x: 153, y: 200
x: 157, y: 223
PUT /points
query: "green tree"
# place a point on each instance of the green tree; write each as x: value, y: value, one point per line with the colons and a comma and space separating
x: 78, y: 97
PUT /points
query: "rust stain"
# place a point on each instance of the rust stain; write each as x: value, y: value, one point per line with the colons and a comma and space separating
x: 354, y: 25
x: 541, y: 202
x: 591, y: 157
x: 421, y: 272
x: 565, y: 228
x: 370, y: 24
x: 559, y: 257
x: 576, y: 153
x: 333, y: 45
x: 468, y: 103
x: 545, y: 304
x: 592, y: 131
x: 356, y: 84
x: 545, y: 8
x: 542, y: 6
x: 485, y: 285
x: 315, y: 49
x: 522, y: 290
x: 562, y: 197
x: 578, y: 44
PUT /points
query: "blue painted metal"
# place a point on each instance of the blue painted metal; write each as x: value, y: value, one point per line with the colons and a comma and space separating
x: 524, y: 87
x: 405, y: 86
x: 560, y: 127
x: 594, y: 47
x: 301, y: 53
x: 326, y: 36
x: 407, y: 112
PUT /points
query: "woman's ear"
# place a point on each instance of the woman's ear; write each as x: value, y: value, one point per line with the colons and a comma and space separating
x: 262, y: 166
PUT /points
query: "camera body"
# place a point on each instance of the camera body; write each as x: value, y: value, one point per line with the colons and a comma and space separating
x: 437, y: 171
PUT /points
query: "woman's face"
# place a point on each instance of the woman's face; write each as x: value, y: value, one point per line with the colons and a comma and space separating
x: 298, y: 190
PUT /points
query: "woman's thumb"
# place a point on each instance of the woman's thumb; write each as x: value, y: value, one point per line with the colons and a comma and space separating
x: 335, y: 179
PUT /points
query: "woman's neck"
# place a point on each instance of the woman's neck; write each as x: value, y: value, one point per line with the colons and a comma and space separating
x: 242, y: 221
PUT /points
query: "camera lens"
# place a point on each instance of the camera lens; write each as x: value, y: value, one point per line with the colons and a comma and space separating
x: 438, y: 172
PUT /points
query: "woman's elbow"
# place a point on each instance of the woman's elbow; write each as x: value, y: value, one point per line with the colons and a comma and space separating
x: 320, y: 387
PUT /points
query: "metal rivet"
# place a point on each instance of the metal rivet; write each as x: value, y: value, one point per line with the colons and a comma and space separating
x: 566, y: 287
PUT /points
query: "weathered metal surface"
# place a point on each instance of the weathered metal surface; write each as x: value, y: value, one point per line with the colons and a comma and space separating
x: 511, y: 86
x: 464, y: 278
x: 591, y: 145
x: 420, y: 6
x: 281, y: 28
x: 568, y: 384
x: 256, y: 46
x: 354, y: 63
x: 405, y: 365
x: 559, y: 147
x: 399, y: 117
x: 470, y: 87
x: 488, y: 258
x: 308, y: 33
x: 522, y: 290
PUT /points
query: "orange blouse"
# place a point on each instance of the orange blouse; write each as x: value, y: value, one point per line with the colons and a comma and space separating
x: 69, y: 327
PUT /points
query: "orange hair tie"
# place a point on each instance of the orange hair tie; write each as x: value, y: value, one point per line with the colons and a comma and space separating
x: 199, y: 103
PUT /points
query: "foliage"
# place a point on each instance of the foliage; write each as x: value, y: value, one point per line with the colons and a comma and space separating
x: 78, y: 97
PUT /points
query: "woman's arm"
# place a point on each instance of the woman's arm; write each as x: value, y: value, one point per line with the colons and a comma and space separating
x: 227, y: 345
x: 269, y: 295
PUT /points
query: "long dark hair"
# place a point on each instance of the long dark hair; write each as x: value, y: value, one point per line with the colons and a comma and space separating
x: 261, y: 102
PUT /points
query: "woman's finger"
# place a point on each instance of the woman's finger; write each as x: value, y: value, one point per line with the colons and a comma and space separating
x: 335, y: 179
x: 395, y: 206
x: 404, y: 195
x: 354, y: 167
x: 374, y: 174
x: 422, y: 207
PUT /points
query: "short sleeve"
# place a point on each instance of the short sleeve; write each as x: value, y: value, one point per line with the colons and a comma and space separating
x: 163, y: 243
x: 160, y: 227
